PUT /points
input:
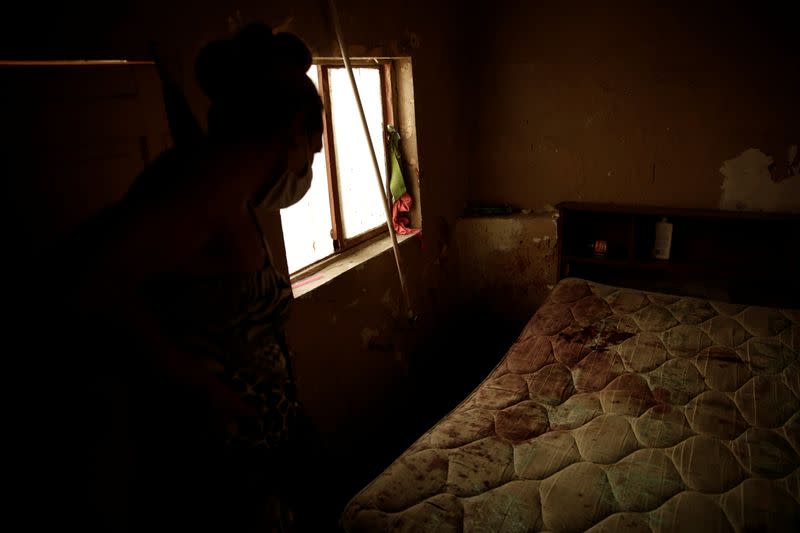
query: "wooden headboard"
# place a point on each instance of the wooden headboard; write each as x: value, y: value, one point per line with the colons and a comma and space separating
x: 741, y: 257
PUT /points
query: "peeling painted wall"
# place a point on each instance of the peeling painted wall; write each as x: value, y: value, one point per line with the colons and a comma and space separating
x: 630, y: 102
x: 749, y: 183
x: 507, y: 263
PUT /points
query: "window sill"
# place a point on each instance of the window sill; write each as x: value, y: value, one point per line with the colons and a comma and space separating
x: 346, y: 261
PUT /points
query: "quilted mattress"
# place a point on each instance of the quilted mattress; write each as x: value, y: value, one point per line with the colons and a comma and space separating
x: 614, y: 410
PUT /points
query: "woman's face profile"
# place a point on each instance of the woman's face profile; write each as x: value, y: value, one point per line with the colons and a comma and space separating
x: 303, y: 146
x: 294, y: 179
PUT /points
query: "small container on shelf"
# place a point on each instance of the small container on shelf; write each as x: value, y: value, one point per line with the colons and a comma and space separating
x: 598, y: 247
x: 663, y: 239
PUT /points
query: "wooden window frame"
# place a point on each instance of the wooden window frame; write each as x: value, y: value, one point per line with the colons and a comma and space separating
x: 341, y: 244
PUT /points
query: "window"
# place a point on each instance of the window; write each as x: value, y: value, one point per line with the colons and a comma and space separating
x: 344, y: 205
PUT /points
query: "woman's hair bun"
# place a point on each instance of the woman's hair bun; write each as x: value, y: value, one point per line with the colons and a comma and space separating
x: 291, y: 54
x: 214, y: 69
x: 252, y: 59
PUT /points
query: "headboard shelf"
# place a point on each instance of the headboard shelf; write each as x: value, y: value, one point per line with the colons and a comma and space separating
x: 744, y: 257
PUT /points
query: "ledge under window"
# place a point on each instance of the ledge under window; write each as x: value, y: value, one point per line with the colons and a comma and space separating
x: 339, y: 264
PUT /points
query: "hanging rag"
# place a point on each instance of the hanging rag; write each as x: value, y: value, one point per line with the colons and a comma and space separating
x: 402, y: 202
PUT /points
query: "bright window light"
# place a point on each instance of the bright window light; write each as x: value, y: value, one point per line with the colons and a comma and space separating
x: 359, y: 193
x: 308, y: 225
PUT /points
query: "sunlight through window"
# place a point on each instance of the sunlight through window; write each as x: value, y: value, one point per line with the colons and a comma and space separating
x: 307, y: 224
x: 311, y: 230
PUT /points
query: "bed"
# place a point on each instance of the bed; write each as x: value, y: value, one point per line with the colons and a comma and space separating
x: 615, y: 409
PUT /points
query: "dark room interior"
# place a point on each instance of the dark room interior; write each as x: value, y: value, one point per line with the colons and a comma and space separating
x: 570, y: 302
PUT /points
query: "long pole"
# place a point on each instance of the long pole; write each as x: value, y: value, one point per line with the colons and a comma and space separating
x: 385, y: 202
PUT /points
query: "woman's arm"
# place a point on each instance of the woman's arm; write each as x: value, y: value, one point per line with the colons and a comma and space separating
x: 165, y: 358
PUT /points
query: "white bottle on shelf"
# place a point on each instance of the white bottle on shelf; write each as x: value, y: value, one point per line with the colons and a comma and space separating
x: 663, y: 241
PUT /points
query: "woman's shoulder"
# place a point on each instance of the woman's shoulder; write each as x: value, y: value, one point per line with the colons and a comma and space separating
x: 164, y: 174
x: 167, y: 170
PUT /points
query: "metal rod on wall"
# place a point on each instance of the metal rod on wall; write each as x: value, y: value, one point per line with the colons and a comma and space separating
x: 385, y: 200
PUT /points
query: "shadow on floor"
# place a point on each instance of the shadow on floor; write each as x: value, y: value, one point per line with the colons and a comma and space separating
x: 442, y: 373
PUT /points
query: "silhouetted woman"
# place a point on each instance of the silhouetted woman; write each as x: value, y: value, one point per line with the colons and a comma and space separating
x: 182, y: 267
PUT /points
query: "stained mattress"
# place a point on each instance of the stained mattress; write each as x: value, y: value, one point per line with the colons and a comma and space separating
x: 614, y: 410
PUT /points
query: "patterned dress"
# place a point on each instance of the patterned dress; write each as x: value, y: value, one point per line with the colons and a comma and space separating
x: 235, y: 323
